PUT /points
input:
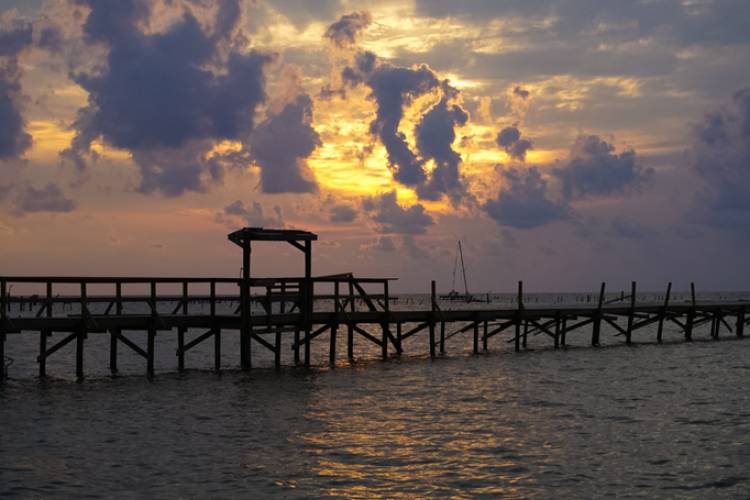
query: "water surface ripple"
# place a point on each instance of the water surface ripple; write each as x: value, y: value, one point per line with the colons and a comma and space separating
x: 648, y: 421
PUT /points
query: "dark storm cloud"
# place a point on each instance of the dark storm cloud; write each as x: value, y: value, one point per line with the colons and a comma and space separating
x: 14, y: 139
x: 344, y: 32
x: 523, y: 202
x: 435, y: 134
x: 510, y: 140
x: 342, y: 214
x: 594, y: 169
x: 720, y: 155
x: 393, y: 88
x: 253, y: 214
x: 157, y: 94
x: 47, y: 199
x: 280, y: 146
x: 392, y: 218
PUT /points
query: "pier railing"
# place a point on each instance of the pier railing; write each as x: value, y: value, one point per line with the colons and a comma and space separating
x: 66, y: 304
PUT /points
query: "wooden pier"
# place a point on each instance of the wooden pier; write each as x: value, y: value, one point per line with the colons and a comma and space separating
x: 297, y: 311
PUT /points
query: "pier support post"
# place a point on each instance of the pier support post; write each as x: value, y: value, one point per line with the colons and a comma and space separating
x: 663, y: 314
x: 442, y: 337
x: 350, y: 326
x: 309, y: 300
x: 81, y: 334
x: 563, y: 331
x: 476, y: 336
x: 215, y: 328
x: 525, y: 332
x: 484, y: 337
x: 519, y: 317
x: 398, y: 336
x: 334, y: 326
x: 597, y: 326
x: 690, y: 315
x: 631, y: 314
x: 245, y: 321
x: 181, y: 330
x: 3, y: 311
x: 44, y: 334
x: 432, y: 320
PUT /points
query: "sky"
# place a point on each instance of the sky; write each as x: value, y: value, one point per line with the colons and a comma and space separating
x: 564, y: 142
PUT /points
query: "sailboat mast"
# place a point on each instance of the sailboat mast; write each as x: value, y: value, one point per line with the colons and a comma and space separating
x: 463, y: 269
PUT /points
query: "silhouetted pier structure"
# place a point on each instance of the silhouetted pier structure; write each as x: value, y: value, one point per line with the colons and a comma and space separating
x: 290, y: 318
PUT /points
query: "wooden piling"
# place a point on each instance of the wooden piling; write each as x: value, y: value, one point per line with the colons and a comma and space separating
x: 216, y: 329
x: 245, y: 325
x: 3, y: 312
x: 563, y: 331
x: 334, y: 326
x: 81, y: 333
x: 433, y: 302
x: 115, y: 332
x: 181, y: 330
x: 597, y: 325
x: 43, y: 334
x: 631, y: 314
x: 519, y: 317
x: 663, y: 313
x: 484, y: 337
x: 690, y: 315
x: 384, y: 325
x: 309, y: 291
x: 442, y: 337
x: 151, y: 332
x: 277, y: 339
x: 349, y: 325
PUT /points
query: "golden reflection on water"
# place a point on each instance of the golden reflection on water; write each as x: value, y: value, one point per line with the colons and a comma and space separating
x: 391, y: 439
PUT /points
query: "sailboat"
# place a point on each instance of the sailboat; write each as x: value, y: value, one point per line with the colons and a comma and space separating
x: 454, y: 294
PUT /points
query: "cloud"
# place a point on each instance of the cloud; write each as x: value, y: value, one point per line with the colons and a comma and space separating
x: 392, y: 218
x: 253, y: 215
x: 47, y: 199
x: 510, y: 140
x: 523, y: 201
x: 14, y: 140
x: 412, y: 248
x: 280, y: 146
x: 379, y: 244
x: 344, y: 32
x: 393, y: 88
x: 594, y: 169
x: 342, y: 214
x: 435, y: 134
x: 519, y: 92
x: 160, y: 94
x: 720, y: 155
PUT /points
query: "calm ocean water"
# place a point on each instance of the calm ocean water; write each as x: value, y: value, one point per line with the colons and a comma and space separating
x: 647, y: 420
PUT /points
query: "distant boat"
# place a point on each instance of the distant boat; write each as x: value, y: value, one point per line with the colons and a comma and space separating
x: 454, y: 294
